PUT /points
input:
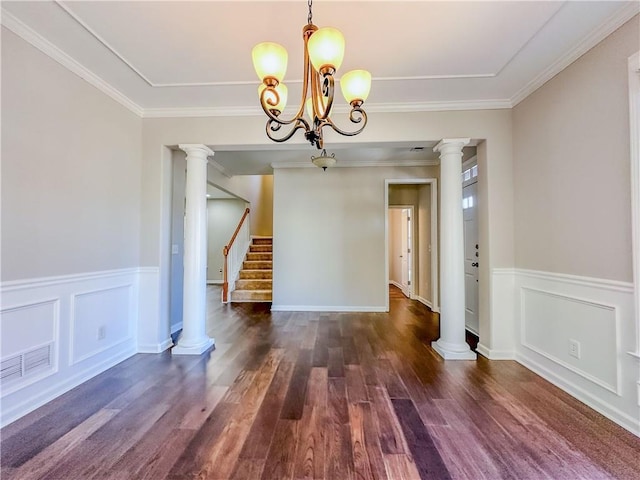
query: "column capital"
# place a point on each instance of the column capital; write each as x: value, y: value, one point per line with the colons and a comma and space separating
x: 451, y: 143
x: 196, y: 149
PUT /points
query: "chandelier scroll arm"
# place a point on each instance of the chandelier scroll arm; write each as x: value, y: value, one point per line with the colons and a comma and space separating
x: 361, y: 118
x: 274, y: 126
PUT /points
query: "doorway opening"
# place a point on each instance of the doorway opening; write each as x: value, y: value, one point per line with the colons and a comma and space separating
x: 401, y: 247
x: 411, y: 239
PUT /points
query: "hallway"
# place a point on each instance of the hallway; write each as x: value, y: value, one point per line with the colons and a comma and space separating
x: 317, y: 395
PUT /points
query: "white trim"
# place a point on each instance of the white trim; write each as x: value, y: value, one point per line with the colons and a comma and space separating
x: 359, y: 163
x: 175, y: 328
x: 35, y: 39
x: 215, y: 282
x: 425, y: 302
x: 610, y: 25
x: 634, y: 137
x: 238, y: 111
x: 155, y: 347
x: 326, y: 308
x: 600, y: 283
x: 395, y: 284
x: 13, y: 285
x: 585, y: 397
x: 495, y: 354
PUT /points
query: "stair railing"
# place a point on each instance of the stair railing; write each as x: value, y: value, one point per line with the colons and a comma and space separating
x: 234, y: 255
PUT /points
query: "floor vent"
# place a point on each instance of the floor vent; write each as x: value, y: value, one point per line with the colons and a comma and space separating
x: 25, y: 364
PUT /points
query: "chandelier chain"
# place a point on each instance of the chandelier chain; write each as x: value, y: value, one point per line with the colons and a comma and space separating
x: 310, y: 17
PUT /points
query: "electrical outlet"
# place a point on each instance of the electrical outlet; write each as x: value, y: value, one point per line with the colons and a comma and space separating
x: 574, y: 348
x: 102, y: 332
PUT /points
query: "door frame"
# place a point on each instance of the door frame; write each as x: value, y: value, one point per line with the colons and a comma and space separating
x: 433, y: 182
x: 412, y: 247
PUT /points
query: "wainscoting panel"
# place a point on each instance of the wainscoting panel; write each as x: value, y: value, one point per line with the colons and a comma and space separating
x: 58, y: 332
x: 573, y: 321
x: 577, y: 333
x: 27, y: 359
x: 100, y: 319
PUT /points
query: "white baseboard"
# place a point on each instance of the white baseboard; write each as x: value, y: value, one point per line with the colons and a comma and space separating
x: 176, y: 327
x: 325, y: 308
x: 606, y: 409
x: 495, y: 354
x: 395, y: 284
x: 215, y: 282
x: 155, y: 347
x: 14, y: 411
x: 424, y: 301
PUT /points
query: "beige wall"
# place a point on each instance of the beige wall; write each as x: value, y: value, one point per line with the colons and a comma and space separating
x: 424, y: 284
x: 223, y: 216
x: 329, y: 236
x: 258, y: 191
x: 571, y: 166
x: 71, y: 171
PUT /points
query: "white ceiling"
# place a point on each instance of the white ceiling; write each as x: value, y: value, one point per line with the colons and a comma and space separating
x: 194, y: 58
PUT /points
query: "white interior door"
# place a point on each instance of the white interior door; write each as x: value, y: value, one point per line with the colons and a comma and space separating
x: 471, y: 254
x: 405, y: 251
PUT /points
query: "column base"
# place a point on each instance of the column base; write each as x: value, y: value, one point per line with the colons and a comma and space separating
x: 457, y: 354
x: 196, y: 349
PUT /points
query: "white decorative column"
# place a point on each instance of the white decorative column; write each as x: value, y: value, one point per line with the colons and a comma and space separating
x: 194, y: 340
x: 451, y: 345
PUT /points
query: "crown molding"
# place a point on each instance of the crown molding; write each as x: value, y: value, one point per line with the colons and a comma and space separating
x: 370, y: 108
x: 32, y: 37
x: 614, y: 22
x: 365, y: 163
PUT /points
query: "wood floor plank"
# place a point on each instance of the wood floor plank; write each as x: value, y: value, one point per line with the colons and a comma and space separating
x: 401, y: 467
x: 196, y: 453
x: 335, y: 363
x: 372, y: 442
x: 37, y: 466
x: 310, y: 449
x: 425, y: 454
x: 339, y: 453
x: 256, y: 446
x: 359, y: 447
x: 294, y: 400
x: 391, y: 437
x: 280, y: 460
x: 356, y: 389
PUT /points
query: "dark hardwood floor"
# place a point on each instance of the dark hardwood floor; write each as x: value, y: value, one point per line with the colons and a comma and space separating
x: 317, y: 395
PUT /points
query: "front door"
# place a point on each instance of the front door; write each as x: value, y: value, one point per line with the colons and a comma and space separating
x: 471, y: 254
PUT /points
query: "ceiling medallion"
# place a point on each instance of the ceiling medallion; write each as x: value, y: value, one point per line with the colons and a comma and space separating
x: 323, y: 54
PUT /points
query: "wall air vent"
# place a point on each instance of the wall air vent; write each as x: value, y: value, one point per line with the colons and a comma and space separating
x: 11, y: 368
x: 417, y: 149
x: 23, y: 365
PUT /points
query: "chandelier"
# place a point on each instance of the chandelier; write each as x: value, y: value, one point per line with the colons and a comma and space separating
x: 323, y: 54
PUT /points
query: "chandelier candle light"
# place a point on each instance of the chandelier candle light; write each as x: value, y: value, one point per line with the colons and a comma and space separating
x: 323, y: 54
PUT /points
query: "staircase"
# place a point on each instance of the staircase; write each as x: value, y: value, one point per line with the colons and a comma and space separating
x: 255, y: 280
